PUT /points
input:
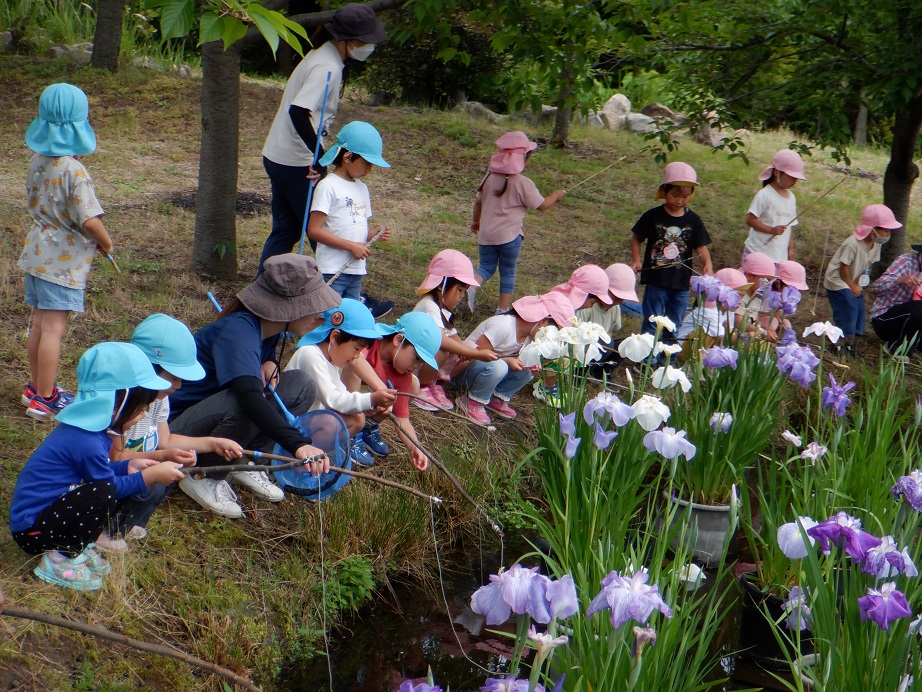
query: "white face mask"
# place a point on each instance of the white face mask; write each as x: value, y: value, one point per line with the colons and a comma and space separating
x: 362, y: 53
x: 878, y: 239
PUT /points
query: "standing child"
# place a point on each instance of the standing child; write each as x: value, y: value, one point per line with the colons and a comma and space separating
x: 449, y: 276
x: 492, y: 385
x: 65, y: 234
x: 503, y: 197
x: 773, y: 212
x: 673, y: 234
x: 848, y: 273
x: 341, y: 208
x: 68, y: 489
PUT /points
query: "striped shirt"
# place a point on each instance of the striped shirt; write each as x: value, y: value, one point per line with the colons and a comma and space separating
x: 887, y: 292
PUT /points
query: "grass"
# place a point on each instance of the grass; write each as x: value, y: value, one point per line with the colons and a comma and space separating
x: 246, y: 594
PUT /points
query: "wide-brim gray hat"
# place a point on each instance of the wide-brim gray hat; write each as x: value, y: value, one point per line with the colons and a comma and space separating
x: 290, y: 287
x: 357, y: 22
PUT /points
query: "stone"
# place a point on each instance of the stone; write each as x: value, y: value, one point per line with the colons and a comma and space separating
x: 147, y: 63
x: 56, y: 50
x: 639, y: 123
x: 475, y: 109
x: 658, y: 111
x: 614, y: 112
x: 709, y: 132
x: 183, y: 71
x: 543, y: 117
x: 6, y: 38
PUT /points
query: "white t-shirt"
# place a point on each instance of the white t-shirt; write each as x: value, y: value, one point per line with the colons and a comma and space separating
x: 609, y: 319
x: 331, y: 392
x: 773, y: 210
x: 500, y: 330
x: 711, y: 321
x: 144, y: 435
x: 440, y: 315
x: 305, y: 88
x: 856, y: 255
x: 348, y: 208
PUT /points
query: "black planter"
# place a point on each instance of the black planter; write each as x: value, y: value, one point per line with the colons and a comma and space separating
x: 757, y: 641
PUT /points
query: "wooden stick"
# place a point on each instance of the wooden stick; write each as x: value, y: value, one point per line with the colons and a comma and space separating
x: 466, y: 419
x: 813, y: 203
x: 454, y: 481
x: 103, y: 633
x: 114, y: 265
x: 349, y: 263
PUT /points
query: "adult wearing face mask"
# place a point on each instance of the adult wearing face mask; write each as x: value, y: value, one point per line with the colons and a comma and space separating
x: 297, y: 132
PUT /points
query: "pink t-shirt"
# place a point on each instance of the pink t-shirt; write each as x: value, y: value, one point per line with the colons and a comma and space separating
x: 501, y: 217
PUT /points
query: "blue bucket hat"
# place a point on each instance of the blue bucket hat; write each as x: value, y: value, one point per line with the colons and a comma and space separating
x: 102, y: 371
x: 422, y: 332
x: 359, y: 138
x: 62, y: 127
x: 351, y: 317
x: 167, y: 342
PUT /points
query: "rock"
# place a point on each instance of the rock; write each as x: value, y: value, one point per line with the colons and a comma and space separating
x: 658, y: 111
x: 82, y: 47
x: 544, y: 117
x: 614, y: 112
x: 147, y: 63
x: 709, y: 132
x: 475, y: 109
x: 593, y: 120
x: 6, y: 38
x: 56, y: 50
x: 640, y: 123
x: 183, y: 71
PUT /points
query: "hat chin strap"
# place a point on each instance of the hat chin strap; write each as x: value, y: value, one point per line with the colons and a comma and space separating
x: 121, y: 408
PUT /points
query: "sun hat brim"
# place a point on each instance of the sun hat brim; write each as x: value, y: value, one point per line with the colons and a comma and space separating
x: 189, y: 373
x: 421, y: 350
x: 290, y: 287
x: 92, y: 410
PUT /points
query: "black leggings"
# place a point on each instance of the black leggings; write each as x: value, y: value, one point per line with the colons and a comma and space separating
x: 71, y: 522
x: 901, y: 323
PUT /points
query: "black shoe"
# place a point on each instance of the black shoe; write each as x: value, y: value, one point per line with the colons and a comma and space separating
x: 377, y: 308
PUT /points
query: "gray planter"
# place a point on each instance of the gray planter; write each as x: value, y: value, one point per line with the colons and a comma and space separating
x: 708, y: 526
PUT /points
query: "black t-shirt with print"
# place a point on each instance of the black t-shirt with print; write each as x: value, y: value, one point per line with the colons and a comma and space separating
x: 671, y: 240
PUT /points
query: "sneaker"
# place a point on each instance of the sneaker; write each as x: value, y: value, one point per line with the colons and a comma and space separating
x: 29, y: 391
x: 258, y: 483
x: 474, y: 409
x: 377, y: 308
x: 41, y: 408
x: 893, y: 349
x: 550, y: 395
x: 471, y: 298
x: 371, y: 434
x: 216, y: 496
x: 430, y: 400
x: 359, y: 452
x: 71, y: 573
x: 501, y: 311
x: 437, y: 394
x: 501, y: 408
x: 106, y: 543
x: 95, y: 562
x: 137, y: 533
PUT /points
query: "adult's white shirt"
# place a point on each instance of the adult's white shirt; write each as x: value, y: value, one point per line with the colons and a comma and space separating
x: 305, y: 88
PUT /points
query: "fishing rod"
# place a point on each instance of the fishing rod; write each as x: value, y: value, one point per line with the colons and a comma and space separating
x: 573, y: 187
x: 313, y: 184
x: 466, y: 419
x: 813, y: 203
x: 454, y: 481
x: 349, y: 263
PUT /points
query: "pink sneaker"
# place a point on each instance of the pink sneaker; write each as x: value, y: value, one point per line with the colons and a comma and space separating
x: 501, y: 408
x: 430, y: 401
x: 437, y: 394
x: 474, y: 409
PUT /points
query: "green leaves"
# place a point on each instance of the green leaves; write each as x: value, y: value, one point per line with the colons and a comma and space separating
x: 176, y: 18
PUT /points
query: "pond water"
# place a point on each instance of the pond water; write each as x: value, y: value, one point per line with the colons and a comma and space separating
x: 408, y: 630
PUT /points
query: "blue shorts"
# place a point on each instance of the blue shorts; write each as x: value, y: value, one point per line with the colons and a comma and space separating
x: 45, y: 295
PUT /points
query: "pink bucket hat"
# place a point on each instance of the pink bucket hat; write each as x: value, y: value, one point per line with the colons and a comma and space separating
x: 677, y: 173
x: 876, y: 216
x: 622, y: 281
x: 787, y: 161
x: 510, y: 159
x: 758, y: 264
x: 733, y: 278
x: 585, y: 281
x: 448, y: 264
x: 536, y: 308
x: 793, y: 274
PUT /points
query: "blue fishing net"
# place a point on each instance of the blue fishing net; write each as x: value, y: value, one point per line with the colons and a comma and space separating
x: 328, y: 432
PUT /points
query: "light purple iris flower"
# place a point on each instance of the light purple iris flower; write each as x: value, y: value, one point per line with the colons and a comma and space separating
x: 844, y: 532
x: 628, y: 599
x: 603, y: 438
x: 886, y: 560
x: 607, y: 405
x: 884, y: 605
x: 911, y: 487
x: 669, y: 443
x: 788, y: 337
x: 797, y: 611
x: 561, y: 598
x: 729, y: 298
x: 719, y: 357
x: 518, y: 590
x: 797, y: 362
x: 708, y: 286
x: 408, y: 686
x: 568, y: 430
x: 720, y: 422
x: 786, y: 301
x: 836, y: 396
x: 813, y: 452
x: 509, y: 684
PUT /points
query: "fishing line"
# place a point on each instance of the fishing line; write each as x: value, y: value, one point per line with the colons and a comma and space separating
x: 323, y: 583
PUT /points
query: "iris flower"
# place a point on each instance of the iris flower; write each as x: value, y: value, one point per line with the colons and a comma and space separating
x: 886, y: 560
x: 836, y: 396
x: 791, y: 541
x: 669, y: 443
x: 786, y: 300
x: 603, y: 438
x: 791, y: 438
x: 650, y: 412
x: 408, y: 686
x: 708, y: 286
x: 642, y: 637
x: 662, y: 322
x: 568, y: 430
x: 720, y: 422
x: 668, y: 349
x: 668, y: 377
x: 797, y: 362
x: 797, y: 611
x: 911, y: 487
x: 692, y: 576
x: 544, y: 643
x: 813, y: 452
x: 827, y: 329
x: 719, y: 357
x: 606, y: 405
x: 788, y: 337
x: 729, y: 298
x: 628, y: 599
x: 517, y: 590
x: 509, y: 684
x: 845, y: 532
x: 884, y: 605
x: 636, y: 347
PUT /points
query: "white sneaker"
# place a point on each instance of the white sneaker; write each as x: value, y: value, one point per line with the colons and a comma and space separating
x: 106, y: 543
x: 258, y: 483
x: 471, y: 298
x: 213, y: 495
x: 136, y: 534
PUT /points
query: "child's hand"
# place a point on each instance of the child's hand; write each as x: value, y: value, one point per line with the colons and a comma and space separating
x: 228, y: 449
x: 165, y: 472
x: 419, y: 460
x: 359, y: 251
x: 856, y: 290
x: 186, y: 457
x: 475, y: 227
x: 636, y: 265
x: 383, y: 397
x: 486, y: 355
x: 514, y: 363
x: 316, y: 467
x: 778, y: 230
x: 138, y: 464
x: 386, y: 235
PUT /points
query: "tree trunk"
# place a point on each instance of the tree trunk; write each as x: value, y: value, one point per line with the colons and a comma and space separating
x: 564, y: 113
x: 107, y: 39
x: 860, y: 134
x: 214, y: 250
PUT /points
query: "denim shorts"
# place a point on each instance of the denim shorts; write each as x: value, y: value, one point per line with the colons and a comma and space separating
x: 45, y: 295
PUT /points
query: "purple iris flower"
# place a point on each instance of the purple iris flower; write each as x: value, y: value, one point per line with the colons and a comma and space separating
x: 708, y: 286
x: 836, y: 396
x: 509, y: 684
x: 720, y: 422
x: 607, y: 405
x: 719, y: 357
x: 561, y: 598
x: 518, y: 590
x: 884, y: 605
x: 628, y: 599
x: 798, y: 612
x: 786, y: 301
x: 408, y: 686
x: 886, y: 560
x: 788, y: 337
x: 797, y: 362
x: 568, y: 430
x: 729, y: 298
x: 845, y: 532
x: 669, y: 443
x: 911, y: 487
x: 603, y: 438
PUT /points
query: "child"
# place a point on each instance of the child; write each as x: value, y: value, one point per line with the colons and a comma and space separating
x: 65, y: 234
x: 752, y: 313
x: 341, y: 208
x: 503, y: 197
x: 450, y: 274
x: 848, y: 271
x: 170, y: 348
x: 411, y: 343
x: 68, y: 489
x: 773, y: 212
x: 325, y: 351
x: 673, y: 234
x: 621, y: 285
x: 709, y: 321
x: 492, y: 385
